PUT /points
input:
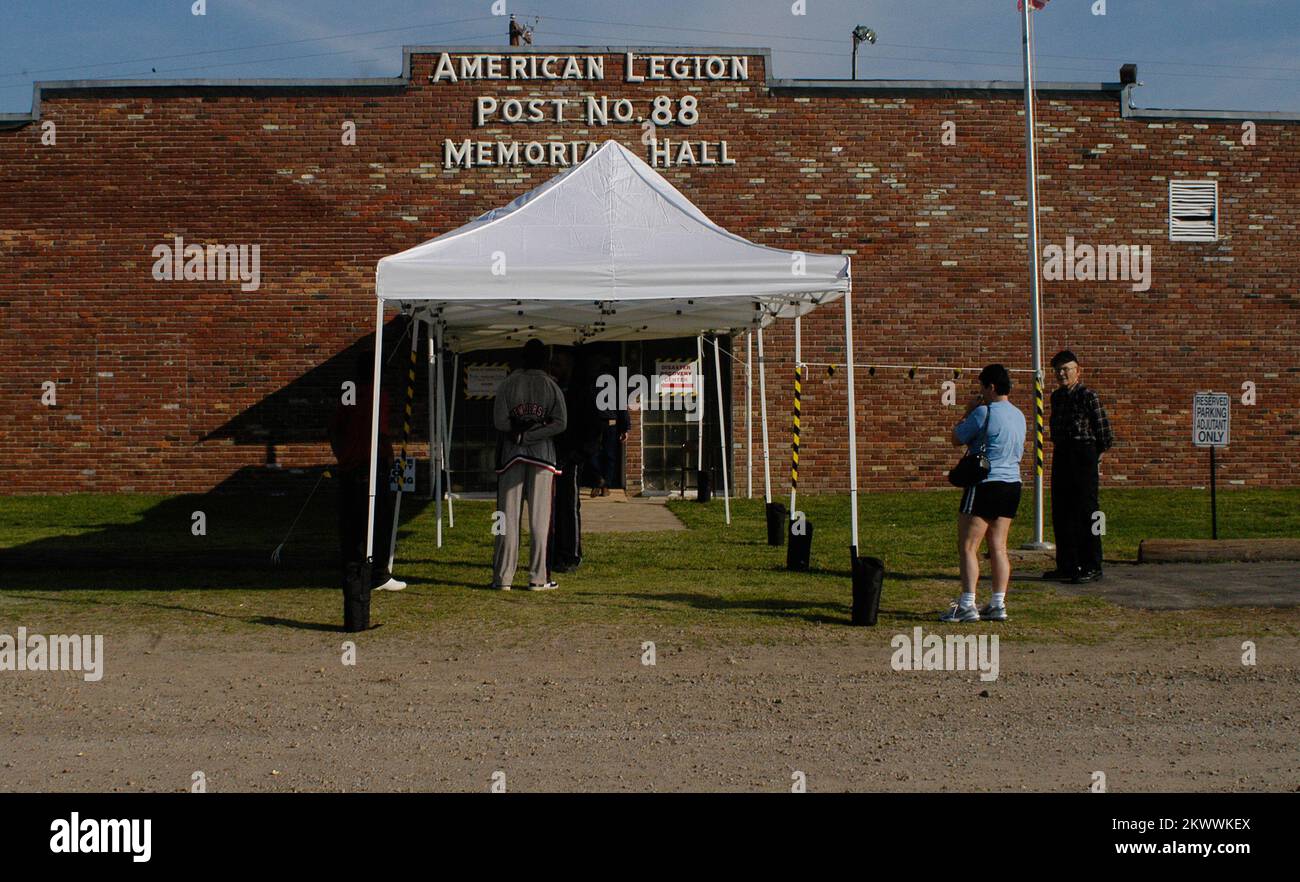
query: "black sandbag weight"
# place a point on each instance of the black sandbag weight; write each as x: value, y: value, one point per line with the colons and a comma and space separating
x: 777, y: 517
x: 868, y: 584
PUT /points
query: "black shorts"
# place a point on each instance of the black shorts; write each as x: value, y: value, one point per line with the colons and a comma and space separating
x: 992, y: 499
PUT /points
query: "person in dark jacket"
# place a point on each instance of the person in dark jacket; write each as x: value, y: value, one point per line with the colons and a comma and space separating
x: 612, y: 427
x: 528, y: 413
x: 1081, y: 433
x: 574, y: 446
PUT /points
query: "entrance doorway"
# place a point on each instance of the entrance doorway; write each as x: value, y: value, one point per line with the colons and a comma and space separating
x: 665, y: 431
x: 671, y: 423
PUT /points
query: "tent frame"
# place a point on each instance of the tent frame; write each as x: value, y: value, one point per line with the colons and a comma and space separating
x: 441, y: 431
x: 578, y: 291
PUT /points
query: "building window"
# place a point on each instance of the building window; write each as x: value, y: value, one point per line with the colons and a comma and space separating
x: 1193, y: 211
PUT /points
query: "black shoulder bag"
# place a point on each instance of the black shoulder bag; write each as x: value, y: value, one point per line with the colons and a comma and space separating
x: 973, y: 468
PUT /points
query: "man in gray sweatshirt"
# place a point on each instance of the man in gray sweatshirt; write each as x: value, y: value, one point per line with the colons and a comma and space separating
x: 529, y: 412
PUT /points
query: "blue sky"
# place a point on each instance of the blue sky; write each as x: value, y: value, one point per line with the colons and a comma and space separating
x: 1204, y: 54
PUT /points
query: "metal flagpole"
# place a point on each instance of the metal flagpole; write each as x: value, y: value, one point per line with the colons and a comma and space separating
x: 749, y: 411
x: 722, y: 429
x: 853, y: 416
x: 762, y: 409
x: 374, y: 427
x: 1035, y: 316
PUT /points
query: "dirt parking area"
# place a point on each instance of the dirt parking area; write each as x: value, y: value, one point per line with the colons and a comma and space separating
x: 580, y: 711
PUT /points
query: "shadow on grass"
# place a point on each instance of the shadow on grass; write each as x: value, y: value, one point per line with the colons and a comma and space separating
x: 784, y: 609
x: 294, y: 623
x: 905, y: 615
x: 207, y: 613
x: 156, y: 550
x: 421, y: 581
x: 890, y: 575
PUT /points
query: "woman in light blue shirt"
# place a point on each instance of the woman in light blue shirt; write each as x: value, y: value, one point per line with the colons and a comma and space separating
x: 988, y: 508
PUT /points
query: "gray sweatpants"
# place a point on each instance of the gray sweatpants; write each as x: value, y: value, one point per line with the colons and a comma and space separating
x: 519, y: 482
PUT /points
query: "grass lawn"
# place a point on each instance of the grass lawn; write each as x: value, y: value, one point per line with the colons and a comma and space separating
x: 132, y: 561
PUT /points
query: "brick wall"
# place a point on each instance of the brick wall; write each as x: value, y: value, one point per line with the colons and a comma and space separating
x: 170, y: 386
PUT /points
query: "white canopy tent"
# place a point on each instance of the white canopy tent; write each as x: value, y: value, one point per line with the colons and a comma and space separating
x: 607, y: 250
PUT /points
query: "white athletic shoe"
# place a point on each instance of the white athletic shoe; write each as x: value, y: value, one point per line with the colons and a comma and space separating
x: 549, y: 586
x: 994, y: 613
x: 958, y: 613
x: 390, y: 585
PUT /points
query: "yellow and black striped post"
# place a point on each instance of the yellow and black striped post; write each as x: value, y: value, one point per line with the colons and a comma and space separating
x: 1038, y: 424
x: 400, y: 465
x: 410, y: 393
x: 1038, y: 542
x: 794, y: 446
x: 799, y: 531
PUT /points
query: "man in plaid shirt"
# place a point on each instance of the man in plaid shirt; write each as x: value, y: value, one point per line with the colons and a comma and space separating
x: 1080, y: 435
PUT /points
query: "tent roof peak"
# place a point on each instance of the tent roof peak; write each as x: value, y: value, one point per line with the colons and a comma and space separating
x: 571, y: 258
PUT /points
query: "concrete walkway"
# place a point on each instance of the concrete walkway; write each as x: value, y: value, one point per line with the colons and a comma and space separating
x: 617, y: 513
x: 1195, y: 585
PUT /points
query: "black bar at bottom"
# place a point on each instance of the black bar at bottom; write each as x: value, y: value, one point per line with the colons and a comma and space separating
x: 370, y: 831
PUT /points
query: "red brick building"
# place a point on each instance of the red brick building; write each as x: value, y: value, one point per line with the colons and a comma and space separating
x: 165, y: 384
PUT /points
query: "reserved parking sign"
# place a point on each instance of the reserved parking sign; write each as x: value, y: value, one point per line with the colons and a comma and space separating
x: 1211, y: 419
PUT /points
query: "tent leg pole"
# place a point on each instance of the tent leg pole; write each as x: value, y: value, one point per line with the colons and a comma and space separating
x: 762, y: 407
x: 699, y: 441
x: 374, y: 428
x: 722, y: 429
x: 437, y: 486
x: 433, y: 422
x: 853, y: 415
x: 392, y: 536
x: 406, y: 438
x: 749, y: 413
x: 451, y: 423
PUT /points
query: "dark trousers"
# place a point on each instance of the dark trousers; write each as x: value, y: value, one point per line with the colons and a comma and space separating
x: 1074, y: 500
x: 565, y: 548
x: 604, y: 463
x: 354, y: 509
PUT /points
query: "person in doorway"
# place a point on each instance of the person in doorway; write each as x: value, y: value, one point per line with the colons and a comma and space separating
x: 988, y: 508
x: 1081, y: 433
x: 612, y: 428
x: 349, y: 434
x: 528, y: 413
x: 574, y: 446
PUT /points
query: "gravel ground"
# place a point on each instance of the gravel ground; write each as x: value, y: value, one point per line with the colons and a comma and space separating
x: 578, y: 711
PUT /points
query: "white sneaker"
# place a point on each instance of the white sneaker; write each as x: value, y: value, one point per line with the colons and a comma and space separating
x: 390, y: 585
x: 994, y: 613
x: 549, y: 586
x: 958, y: 613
